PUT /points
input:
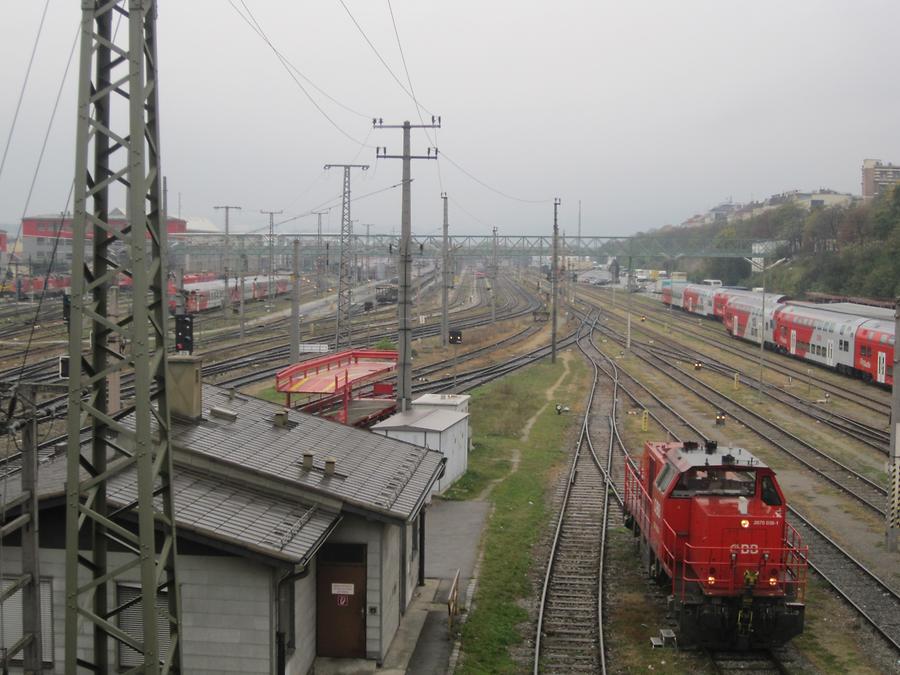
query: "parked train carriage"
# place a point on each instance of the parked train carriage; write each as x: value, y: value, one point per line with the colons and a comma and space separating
x: 23, y: 285
x: 712, y: 523
x: 698, y: 299
x: 873, y: 351
x: 743, y: 317
x: 206, y: 295
x: 723, y: 294
x: 673, y: 292
x: 203, y: 295
x: 195, y: 277
x: 260, y: 289
x: 816, y: 335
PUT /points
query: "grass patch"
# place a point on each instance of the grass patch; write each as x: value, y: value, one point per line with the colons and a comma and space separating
x: 269, y: 394
x: 499, y: 413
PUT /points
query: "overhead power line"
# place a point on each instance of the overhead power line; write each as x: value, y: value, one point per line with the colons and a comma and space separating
x: 493, y: 189
x: 290, y: 69
x: 40, y: 159
x: 12, y: 126
x: 413, y: 93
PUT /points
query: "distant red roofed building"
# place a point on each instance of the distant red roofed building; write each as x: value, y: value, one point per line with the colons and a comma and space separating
x: 40, y: 232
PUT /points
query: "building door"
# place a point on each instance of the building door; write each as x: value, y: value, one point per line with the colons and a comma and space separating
x: 341, y: 601
x: 882, y: 366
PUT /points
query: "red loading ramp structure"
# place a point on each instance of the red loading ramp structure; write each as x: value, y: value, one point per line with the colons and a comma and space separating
x: 346, y: 386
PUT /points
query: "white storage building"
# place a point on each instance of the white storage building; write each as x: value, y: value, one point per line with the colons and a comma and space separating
x: 446, y: 431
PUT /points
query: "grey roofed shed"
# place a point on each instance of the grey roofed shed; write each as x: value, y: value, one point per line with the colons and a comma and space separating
x: 275, y: 526
x: 422, y: 420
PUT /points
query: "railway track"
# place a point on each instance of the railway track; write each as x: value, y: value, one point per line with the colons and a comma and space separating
x: 755, y: 662
x: 569, y: 635
x: 875, y: 600
x: 859, y: 487
x: 873, y: 436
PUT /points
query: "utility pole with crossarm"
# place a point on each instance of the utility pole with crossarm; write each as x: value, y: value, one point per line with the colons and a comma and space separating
x: 404, y: 377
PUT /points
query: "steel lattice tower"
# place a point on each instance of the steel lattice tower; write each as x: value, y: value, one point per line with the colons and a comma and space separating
x: 117, y: 158
x: 343, y: 325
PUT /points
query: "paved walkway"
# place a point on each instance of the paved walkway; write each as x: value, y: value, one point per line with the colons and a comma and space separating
x: 423, y: 645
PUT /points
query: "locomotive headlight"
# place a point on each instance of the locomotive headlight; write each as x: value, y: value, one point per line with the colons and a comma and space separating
x: 745, y: 522
x: 711, y: 580
x: 773, y: 581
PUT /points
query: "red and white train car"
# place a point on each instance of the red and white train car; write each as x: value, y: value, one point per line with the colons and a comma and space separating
x: 853, y: 339
x: 698, y: 299
x: 743, y: 316
x: 723, y: 295
x: 204, y: 295
x: 672, y: 292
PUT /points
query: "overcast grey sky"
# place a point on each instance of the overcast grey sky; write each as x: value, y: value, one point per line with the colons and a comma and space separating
x: 647, y: 112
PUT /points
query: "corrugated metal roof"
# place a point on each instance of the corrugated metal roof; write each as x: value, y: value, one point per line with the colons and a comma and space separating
x: 252, y: 490
x: 290, y: 529
x: 422, y: 420
x: 372, y: 471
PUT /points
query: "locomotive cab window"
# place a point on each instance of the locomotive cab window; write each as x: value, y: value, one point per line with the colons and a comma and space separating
x: 768, y: 492
x: 666, y: 476
x: 719, y: 481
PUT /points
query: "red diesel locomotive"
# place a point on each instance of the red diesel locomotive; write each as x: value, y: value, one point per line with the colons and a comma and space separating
x: 711, y: 522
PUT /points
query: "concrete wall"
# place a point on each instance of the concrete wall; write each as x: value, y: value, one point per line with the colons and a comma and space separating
x: 412, y: 560
x: 300, y: 662
x: 454, y: 446
x: 227, y: 604
x: 391, y: 595
x: 453, y: 443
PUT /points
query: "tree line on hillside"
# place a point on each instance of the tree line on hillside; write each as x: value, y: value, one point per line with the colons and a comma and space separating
x: 848, y: 250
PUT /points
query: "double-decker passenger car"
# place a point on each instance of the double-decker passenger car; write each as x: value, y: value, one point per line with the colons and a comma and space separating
x: 712, y: 524
x: 852, y: 339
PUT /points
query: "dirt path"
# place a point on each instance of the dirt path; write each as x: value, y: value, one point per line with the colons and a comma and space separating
x: 526, y: 430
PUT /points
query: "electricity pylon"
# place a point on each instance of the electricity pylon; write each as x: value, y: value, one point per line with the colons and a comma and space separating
x: 117, y: 158
x: 343, y: 326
